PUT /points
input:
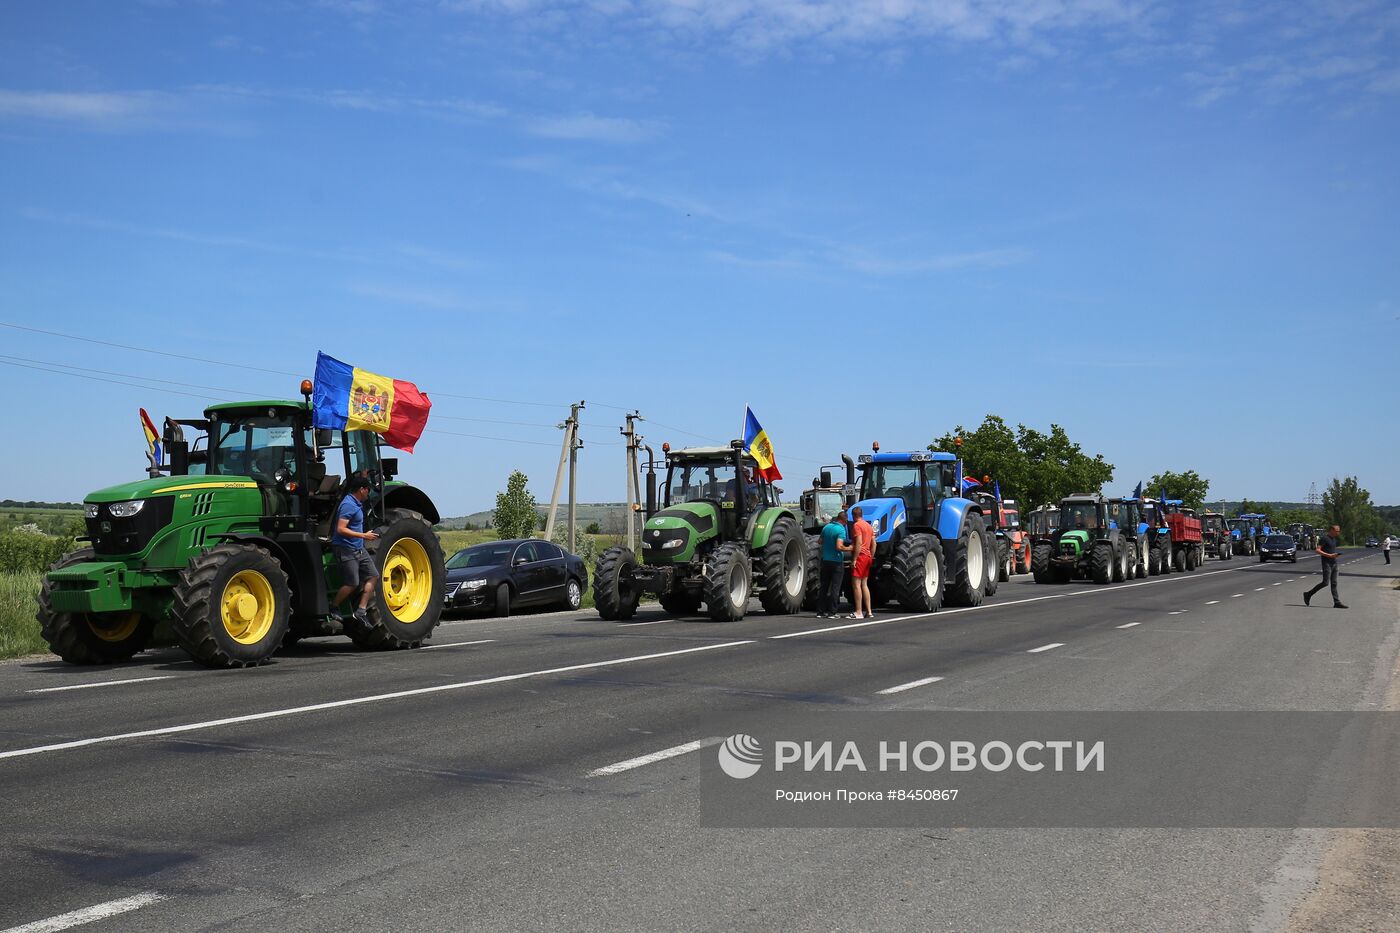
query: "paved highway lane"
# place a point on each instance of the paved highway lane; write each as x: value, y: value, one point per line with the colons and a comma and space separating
x: 540, y: 772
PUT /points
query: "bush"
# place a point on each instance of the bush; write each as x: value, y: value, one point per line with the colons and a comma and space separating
x: 19, y: 630
x: 25, y: 551
x: 583, y: 544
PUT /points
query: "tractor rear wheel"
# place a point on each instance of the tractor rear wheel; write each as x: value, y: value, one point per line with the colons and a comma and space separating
x: 994, y: 576
x: 681, y: 602
x: 1101, y: 563
x: 727, y: 583
x: 408, y: 599
x: 812, y: 589
x: 967, y: 563
x: 90, y: 638
x: 615, y: 592
x: 1122, y: 570
x: 1154, y: 561
x: 232, y: 606
x: 1040, y: 564
x: 919, y: 573
x: 783, y: 569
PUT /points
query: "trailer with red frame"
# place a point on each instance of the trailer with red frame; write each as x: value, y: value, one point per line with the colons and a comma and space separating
x: 1188, y: 546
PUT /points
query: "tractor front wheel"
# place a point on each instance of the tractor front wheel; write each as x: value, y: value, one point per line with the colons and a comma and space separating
x: 783, y: 569
x: 967, y: 563
x: 994, y: 565
x: 90, y: 638
x: 232, y: 606
x: 1040, y: 564
x: 727, y: 583
x: 812, y: 589
x: 1004, y: 567
x: 919, y: 573
x: 1101, y: 563
x: 615, y: 592
x: 408, y: 600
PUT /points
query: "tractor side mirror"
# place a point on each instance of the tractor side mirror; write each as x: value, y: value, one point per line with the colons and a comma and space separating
x: 389, y: 466
x: 324, y: 437
x: 826, y: 479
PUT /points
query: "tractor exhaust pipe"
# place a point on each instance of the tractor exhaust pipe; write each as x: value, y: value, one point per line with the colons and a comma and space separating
x: 850, y: 469
x: 651, y: 481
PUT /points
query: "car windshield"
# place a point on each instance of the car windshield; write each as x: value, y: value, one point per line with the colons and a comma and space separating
x: 692, y: 482
x: 1278, y: 541
x: 252, y: 445
x: 1079, y: 515
x: 481, y: 555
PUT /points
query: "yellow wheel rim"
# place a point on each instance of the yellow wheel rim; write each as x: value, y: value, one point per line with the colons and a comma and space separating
x: 247, y: 607
x: 117, y: 632
x: 407, y: 581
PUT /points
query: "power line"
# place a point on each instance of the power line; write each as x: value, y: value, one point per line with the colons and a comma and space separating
x: 60, y: 372
x: 123, y: 346
x: 106, y: 372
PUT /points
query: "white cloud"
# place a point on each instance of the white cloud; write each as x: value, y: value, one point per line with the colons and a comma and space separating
x: 591, y: 127
x: 104, y: 110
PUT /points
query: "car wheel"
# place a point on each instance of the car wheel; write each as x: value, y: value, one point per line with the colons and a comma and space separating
x: 573, y: 594
x: 503, y: 600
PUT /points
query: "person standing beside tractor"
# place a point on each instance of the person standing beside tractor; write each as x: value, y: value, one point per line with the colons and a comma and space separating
x: 834, y: 546
x: 1385, y: 548
x: 357, y: 570
x: 1327, y: 549
x: 864, y: 537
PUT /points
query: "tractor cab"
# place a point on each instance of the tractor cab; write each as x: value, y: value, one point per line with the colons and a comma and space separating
x: 1125, y: 514
x: 827, y: 497
x: 710, y: 493
x: 1043, y: 521
x: 905, y: 489
x: 1084, y: 513
x: 1213, y: 523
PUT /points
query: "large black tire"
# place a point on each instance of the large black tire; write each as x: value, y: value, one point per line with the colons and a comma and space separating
x: 1040, y: 564
x: 1004, y: 568
x: 615, y: 593
x: 967, y: 581
x: 728, y: 583
x: 408, y: 599
x: 1154, y: 561
x: 783, y: 569
x: 501, y: 607
x: 812, y: 591
x: 1101, y: 562
x: 681, y: 602
x: 1179, y: 559
x: 232, y: 606
x: 82, y: 638
x: 919, y: 575
x: 993, y: 565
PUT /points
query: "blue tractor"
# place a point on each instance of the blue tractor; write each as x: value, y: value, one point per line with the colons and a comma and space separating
x: 931, y: 542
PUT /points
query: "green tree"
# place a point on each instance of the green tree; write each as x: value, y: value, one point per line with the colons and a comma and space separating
x: 1189, y: 486
x: 1347, y: 504
x: 1031, y: 466
x: 592, y: 529
x: 515, y: 515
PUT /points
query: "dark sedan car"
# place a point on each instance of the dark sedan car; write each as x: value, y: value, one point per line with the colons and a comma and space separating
x: 509, y: 574
x: 1273, y: 547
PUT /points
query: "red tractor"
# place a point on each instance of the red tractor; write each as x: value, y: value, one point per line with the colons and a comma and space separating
x: 1004, y: 519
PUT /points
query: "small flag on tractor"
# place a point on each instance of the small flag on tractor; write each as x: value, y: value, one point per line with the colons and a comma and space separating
x: 996, y: 485
x: 970, y: 483
x: 153, y: 450
x: 758, y: 446
x: 1137, y: 493
x: 348, y: 398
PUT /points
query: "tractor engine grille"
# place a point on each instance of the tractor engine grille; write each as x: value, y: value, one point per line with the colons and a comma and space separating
x: 110, y: 535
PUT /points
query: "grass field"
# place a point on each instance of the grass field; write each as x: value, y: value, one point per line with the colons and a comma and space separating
x: 19, y: 632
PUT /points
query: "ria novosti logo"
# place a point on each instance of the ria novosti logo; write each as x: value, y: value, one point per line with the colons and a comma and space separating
x: 741, y: 756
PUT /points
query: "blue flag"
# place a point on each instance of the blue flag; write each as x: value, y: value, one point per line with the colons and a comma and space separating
x: 1137, y: 493
x: 969, y: 483
x: 996, y: 485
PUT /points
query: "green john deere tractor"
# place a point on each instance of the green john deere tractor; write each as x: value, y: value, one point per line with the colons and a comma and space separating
x: 1085, y: 545
x: 721, y: 537
x: 232, y: 547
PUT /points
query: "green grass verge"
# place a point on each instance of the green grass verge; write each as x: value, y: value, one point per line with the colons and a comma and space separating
x: 19, y: 631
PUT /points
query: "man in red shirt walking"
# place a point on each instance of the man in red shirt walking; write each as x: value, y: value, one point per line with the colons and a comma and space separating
x: 863, y: 537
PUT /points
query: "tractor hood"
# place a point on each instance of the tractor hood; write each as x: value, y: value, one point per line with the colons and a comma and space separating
x: 1077, y: 539
x: 884, y: 515
x: 168, y: 485
x: 671, y: 535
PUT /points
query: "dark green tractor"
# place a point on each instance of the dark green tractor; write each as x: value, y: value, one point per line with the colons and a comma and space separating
x: 1085, y: 546
x: 232, y: 547
x: 721, y: 537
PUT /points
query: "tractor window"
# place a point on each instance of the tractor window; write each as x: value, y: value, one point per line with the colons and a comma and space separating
x: 252, y: 445
x: 1079, y: 515
x: 693, y: 482
x: 829, y: 503
x: 1011, y: 518
x: 893, y: 481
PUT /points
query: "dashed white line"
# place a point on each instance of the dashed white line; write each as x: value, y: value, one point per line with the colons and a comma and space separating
x: 460, y: 644
x: 643, y: 760
x: 1177, y: 612
x: 1236, y: 595
x: 356, y: 701
x: 88, y: 914
x: 1258, y: 589
x: 1212, y: 602
x: 910, y: 686
x: 1279, y: 583
x: 1127, y: 625
x: 1053, y: 644
x: 100, y: 683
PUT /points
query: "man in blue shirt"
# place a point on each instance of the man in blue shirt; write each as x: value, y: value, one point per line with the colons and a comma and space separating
x: 833, y: 566
x: 357, y: 570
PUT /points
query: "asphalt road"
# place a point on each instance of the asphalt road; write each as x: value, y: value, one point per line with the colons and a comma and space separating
x: 478, y: 784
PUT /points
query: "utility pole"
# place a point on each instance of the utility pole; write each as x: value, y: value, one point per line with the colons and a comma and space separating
x: 634, y: 497
x: 567, y: 457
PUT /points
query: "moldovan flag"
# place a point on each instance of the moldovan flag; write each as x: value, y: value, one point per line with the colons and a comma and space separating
x: 347, y: 398
x: 148, y: 428
x: 758, y: 446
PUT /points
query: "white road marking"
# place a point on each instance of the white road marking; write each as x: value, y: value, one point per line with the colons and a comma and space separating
x: 673, y: 752
x: 640, y: 624
x: 1280, y: 583
x: 910, y: 686
x: 1127, y: 625
x: 1177, y: 612
x: 1237, y: 596
x: 88, y: 914
x: 1053, y: 644
x: 1212, y: 602
x: 459, y: 644
x: 1258, y: 589
x: 1098, y: 591
x: 100, y: 683
x: 356, y: 701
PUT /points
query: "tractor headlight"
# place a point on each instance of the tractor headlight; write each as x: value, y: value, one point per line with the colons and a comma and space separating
x: 91, y: 510
x: 875, y: 525
x: 673, y: 543
x: 474, y: 584
x: 126, y: 509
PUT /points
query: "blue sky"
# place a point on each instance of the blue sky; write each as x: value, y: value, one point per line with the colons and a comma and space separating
x: 1171, y: 230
